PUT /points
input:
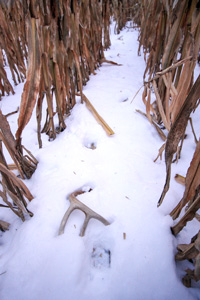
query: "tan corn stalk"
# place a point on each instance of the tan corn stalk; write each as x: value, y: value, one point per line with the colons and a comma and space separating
x: 13, y: 44
x: 191, y: 183
x: 31, y: 86
x: 177, y: 131
x: 26, y: 164
x: 15, y: 189
x: 190, y: 252
x: 64, y: 43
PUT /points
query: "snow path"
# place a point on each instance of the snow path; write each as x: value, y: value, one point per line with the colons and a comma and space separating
x: 133, y: 258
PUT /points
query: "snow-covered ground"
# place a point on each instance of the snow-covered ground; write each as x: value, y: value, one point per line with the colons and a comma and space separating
x: 133, y: 258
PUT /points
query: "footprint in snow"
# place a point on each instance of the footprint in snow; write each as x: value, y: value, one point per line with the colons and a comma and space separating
x: 100, y: 257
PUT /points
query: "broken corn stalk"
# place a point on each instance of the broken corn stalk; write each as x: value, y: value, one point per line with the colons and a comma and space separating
x: 95, y: 114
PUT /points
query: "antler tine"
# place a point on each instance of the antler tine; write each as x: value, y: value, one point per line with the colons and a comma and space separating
x: 89, y: 213
x: 71, y: 208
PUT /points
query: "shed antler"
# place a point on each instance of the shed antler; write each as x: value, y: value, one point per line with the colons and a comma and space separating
x: 89, y: 213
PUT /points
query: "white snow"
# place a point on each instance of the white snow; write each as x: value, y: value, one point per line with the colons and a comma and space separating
x: 133, y: 258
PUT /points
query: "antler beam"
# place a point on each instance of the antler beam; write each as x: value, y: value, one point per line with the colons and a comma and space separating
x: 89, y: 213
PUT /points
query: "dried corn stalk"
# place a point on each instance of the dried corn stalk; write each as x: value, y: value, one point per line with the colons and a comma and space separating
x: 123, y: 11
x: 192, y: 197
x: 31, y: 86
x: 63, y: 44
x: 4, y: 225
x: 99, y: 119
x: 170, y: 38
x: 190, y: 252
x: 191, y: 183
x: 177, y: 131
x: 13, y: 50
x: 14, y: 192
x: 177, y: 34
x: 71, y: 49
x: 26, y: 164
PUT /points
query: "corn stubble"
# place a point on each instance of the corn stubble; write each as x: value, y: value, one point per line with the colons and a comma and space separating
x: 170, y: 38
x: 62, y: 43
